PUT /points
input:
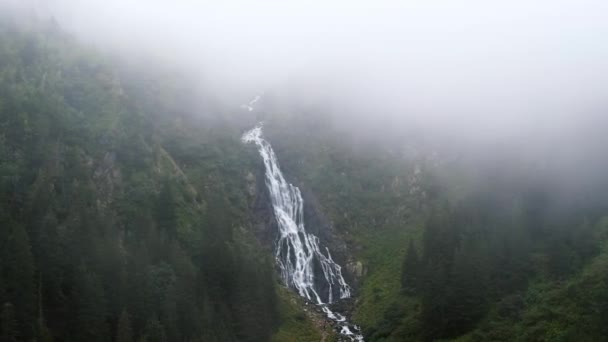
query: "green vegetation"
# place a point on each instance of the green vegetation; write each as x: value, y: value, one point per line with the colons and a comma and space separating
x: 122, y: 216
x: 297, y: 325
x: 383, y: 254
x: 463, y: 253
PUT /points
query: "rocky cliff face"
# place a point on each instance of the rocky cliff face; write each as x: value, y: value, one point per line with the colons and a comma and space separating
x: 317, y: 223
x: 263, y: 222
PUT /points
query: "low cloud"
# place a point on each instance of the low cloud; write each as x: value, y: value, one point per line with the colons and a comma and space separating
x: 518, y: 70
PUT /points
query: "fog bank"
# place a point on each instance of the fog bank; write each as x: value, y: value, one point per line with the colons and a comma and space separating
x: 476, y: 69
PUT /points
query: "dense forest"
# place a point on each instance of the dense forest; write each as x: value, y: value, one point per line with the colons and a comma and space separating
x: 127, y: 214
x: 122, y: 218
x: 457, y: 248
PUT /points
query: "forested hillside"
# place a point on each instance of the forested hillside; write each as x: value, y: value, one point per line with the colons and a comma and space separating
x: 124, y: 215
x: 457, y: 247
x: 131, y: 211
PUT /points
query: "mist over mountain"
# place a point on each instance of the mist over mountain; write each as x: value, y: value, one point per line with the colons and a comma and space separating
x: 303, y: 171
x: 466, y: 68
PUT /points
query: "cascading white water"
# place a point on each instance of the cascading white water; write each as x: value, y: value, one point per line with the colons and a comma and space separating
x: 297, y: 252
x: 249, y: 106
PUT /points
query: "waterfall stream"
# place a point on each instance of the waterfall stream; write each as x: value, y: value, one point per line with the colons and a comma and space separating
x: 304, y: 266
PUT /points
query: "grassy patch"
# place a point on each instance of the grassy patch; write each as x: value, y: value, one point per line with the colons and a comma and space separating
x: 295, y: 324
x: 383, y: 253
x: 568, y: 310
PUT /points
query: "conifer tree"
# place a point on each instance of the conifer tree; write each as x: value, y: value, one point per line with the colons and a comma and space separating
x: 410, y: 271
x: 90, y: 308
x: 155, y: 331
x: 8, y: 321
x: 124, y: 332
x: 166, y: 216
x: 18, y: 269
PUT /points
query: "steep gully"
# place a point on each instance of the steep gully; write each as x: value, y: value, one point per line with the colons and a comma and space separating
x: 303, y: 265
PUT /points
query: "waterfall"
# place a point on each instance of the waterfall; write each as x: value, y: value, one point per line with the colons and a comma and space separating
x: 250, y: 106
x: 303, y: 265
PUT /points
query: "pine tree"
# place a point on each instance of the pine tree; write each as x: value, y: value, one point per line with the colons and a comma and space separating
x: 155, y: 331
x: 3, y: 295
x: 90, y: 308
x: 440, y: 237
x: 185, y: 292
x: 465, y: 302
x: 410, y: 271
x: 18, y: 268
x: 139, y: 289
x: 169, y: 314
x: 8, y: 328
x: 433, y: 301
x: 166, y: 216
x: 124, y: 332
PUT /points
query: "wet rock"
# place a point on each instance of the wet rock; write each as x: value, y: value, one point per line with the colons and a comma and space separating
x: 356, y: 268
x: 263, y: 221
x: 251, y: 184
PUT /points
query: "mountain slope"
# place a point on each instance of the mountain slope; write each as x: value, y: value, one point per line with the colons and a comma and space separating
x: 125, y: 216
x: 455, y: 247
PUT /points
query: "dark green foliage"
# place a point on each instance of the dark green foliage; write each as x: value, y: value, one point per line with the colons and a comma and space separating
x: 8, y: 331
x: 166, y: 216
x: 114, y: 198
x: 124, y: 331
x: 466, y: 291
x: 17, y: 267
x: 411, y: 269
x: 476, y: 263
x: 490, y: 250
x: 98, y: 219
x: 155, y: 331
x: 89, y: 308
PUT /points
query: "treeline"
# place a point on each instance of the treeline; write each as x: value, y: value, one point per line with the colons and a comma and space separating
x: 105, y: 235
x: 480, y: 260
